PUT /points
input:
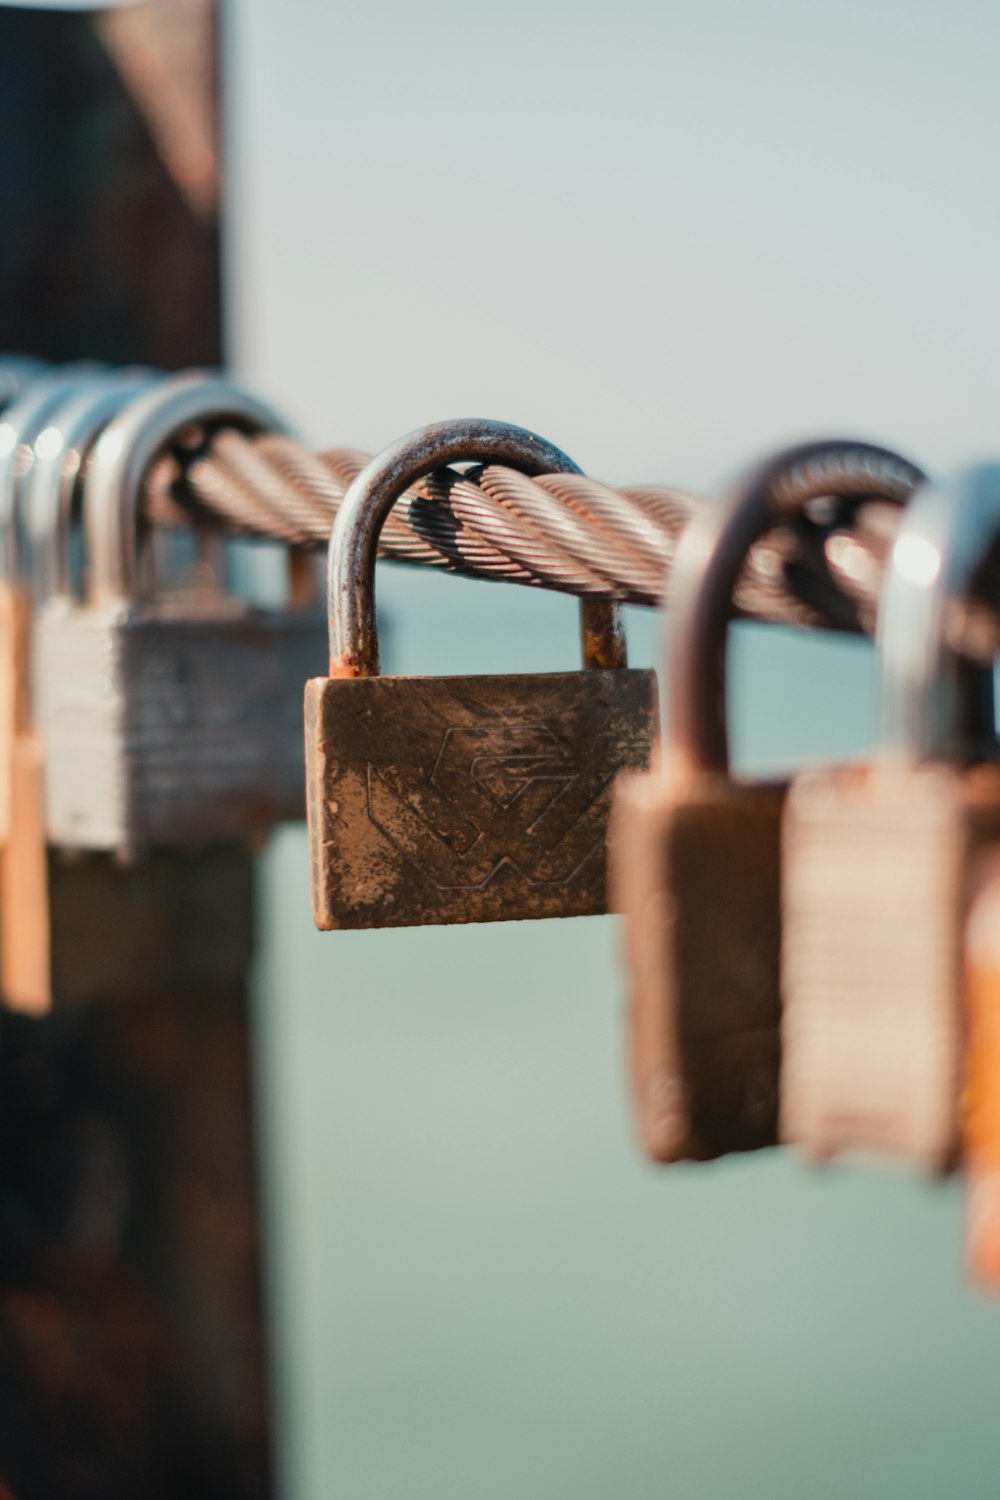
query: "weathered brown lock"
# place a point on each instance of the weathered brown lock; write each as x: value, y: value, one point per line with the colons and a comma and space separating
x: 879, y: 861
x: 459, y: 799
x: 696, y: 852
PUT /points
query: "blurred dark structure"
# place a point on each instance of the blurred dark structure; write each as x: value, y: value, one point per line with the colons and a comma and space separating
x: 131, y: 1344
x: 110, y: 183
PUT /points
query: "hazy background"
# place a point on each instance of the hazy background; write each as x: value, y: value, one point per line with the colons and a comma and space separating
x: 668, y: 236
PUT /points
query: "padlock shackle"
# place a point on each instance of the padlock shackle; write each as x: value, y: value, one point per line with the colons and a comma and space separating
x: 710, y: 558
x: 20, y: 425
x: 946, y: 534
x: 366, y: 507
x: 53, y: 484
x: 124, y: 454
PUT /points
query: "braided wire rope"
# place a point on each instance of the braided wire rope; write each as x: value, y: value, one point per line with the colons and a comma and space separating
x: 565, y: 532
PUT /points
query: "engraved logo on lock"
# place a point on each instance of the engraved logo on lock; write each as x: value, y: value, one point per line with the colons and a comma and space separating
x: 501, y: 795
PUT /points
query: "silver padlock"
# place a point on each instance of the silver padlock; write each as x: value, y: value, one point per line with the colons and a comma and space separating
x: 47, y: 902
x: 41, y: 393
x: 168, y: 720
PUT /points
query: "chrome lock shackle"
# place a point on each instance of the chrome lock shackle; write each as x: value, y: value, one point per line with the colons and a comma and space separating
x: 54, y: 483
x: 947, y: 533
x: 710, y: 558
x: 126, y: 450
x: 369, y: 500
x: 20, y: 426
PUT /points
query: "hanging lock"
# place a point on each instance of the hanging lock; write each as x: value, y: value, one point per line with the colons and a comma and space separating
x: 459, y: 799
x: 878, y: 860
x: 38, y: 962
x: 38, y: 396
x: 167, y: 720
x: 696, y: 852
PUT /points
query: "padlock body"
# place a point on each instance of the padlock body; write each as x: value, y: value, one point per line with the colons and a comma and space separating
x: 467, y: 799
x: 876, y: 867
x: 695, y: 869
x: 164, y: 728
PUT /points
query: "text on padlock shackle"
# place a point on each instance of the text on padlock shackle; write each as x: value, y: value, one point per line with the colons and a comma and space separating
x: 947, y: 533
x: 53, y: 484
x: 366, y: 507
x: 710, y: 557
x: 124, y: 454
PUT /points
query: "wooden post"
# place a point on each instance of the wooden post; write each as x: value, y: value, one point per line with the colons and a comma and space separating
x: 131, y: 1343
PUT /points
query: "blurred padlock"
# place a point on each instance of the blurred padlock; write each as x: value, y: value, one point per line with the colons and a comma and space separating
x: 36, y: 888
x: 40, y: 393
x: 167, y: 720
x: 696, y: 866
x: 459, y: 799
x: 878, y: 862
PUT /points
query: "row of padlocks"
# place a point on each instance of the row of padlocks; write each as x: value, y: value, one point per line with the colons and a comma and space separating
x: 797, y: 950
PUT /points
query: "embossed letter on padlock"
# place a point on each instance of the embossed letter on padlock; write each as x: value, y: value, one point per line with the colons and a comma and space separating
x: 459, y: 799
x: 696, y: 865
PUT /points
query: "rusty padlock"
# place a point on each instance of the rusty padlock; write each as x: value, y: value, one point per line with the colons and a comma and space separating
x: 878, y: 860
x: 696, y: 851
x: 459, y: 799
x: 167, y: 720
x: 37, y: 965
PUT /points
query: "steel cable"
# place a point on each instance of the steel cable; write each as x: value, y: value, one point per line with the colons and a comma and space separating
x: 564, y: 531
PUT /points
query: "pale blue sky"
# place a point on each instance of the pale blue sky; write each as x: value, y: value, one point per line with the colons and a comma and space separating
x: 666, y: 235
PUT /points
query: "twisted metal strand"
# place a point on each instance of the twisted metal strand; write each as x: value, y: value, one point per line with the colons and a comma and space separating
x: 568, y: 532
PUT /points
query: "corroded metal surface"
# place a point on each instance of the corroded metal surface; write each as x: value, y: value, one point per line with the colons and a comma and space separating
x: 467, y: 799
x: 697, y: 873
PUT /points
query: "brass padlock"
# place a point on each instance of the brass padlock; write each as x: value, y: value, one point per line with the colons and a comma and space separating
x: 696, y: 851
x: 459, y: 799
x: 168, y: 720
x: 39, y: 964
x: 878, y: 861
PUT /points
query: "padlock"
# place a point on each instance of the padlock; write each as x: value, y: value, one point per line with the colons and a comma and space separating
x: 878, y: 861
x: 37, y: 889
x: 40, y: 394
x: 167, y: 720
x: 459, y: 799
x: 696, y: 854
